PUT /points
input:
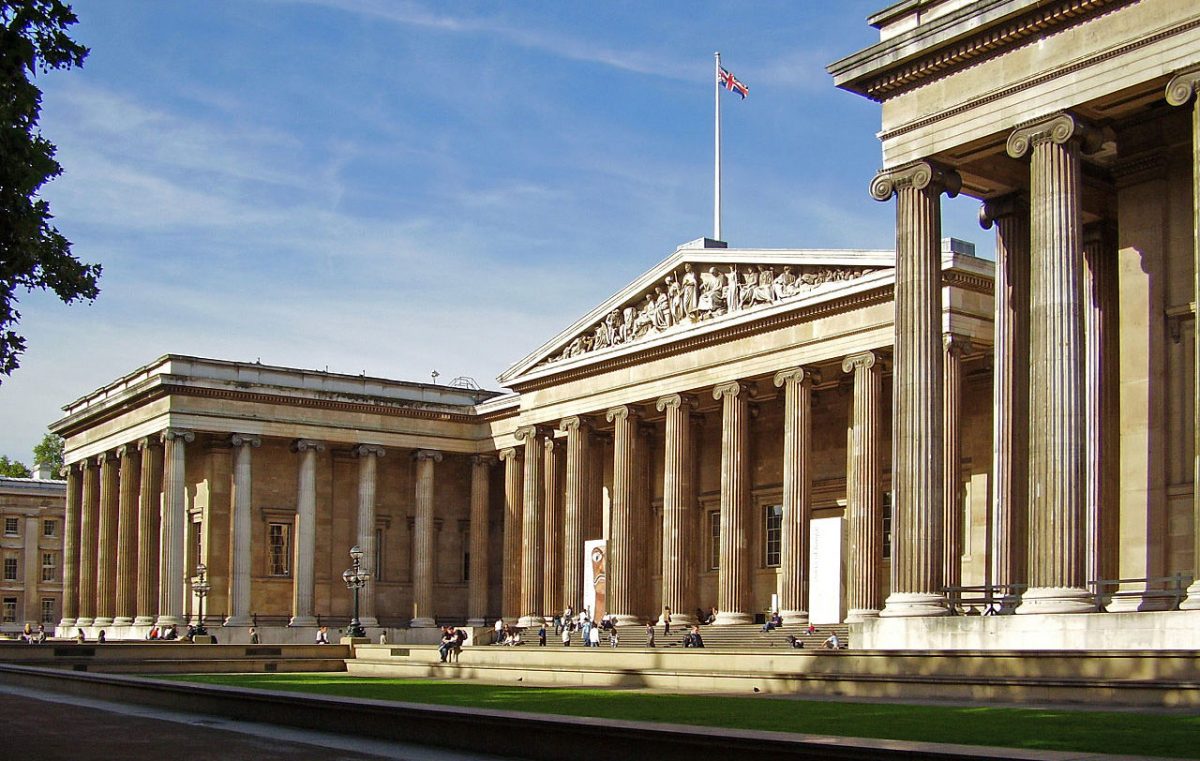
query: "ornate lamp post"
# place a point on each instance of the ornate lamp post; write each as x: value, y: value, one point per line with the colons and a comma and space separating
x: 355, y: 578
x: 201, y: 588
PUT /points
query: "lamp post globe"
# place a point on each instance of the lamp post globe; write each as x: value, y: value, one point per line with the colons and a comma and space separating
x: 355, y: 579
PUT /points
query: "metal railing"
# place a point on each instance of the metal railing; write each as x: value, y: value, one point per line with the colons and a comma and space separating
x: 983, y: 599
x: 1166, y: 591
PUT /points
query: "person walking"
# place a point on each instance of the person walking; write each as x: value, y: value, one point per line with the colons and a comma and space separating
x: 593, y: 636
x: 650, y: 633
x: 253, y: 636
x: 667, y: 622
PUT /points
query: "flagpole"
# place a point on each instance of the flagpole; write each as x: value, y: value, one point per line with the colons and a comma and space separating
x: 717, y: 149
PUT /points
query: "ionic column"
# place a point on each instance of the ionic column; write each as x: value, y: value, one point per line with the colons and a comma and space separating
x: 679, y: 510
x: 127, y: 557
x: 173, y: 578
x: 424, y: 613
x: 864, y: 492
x: 952, y: 513
x: 70, y: 579
x: 797, y: 386
x: 1180, y: 91
x: 1057, y: 447
x: 306, y: 533
x: 531, y: 527
x: 1099, y: 279
x: 510, y: 564
x: 149, y: 508
x: 1010, y: 390
x: 88, y: 524
x: 916, y: 588
x: 106, y: 543
x: 621, y: 590
x: 552, y: 531
x: 241, y: 530
x: 368, y: 467
x: 477, y: 585
x: 577, y: 498
x: 733, y: 576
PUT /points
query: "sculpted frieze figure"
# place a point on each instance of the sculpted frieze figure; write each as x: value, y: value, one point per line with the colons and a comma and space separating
x: 690, y: 297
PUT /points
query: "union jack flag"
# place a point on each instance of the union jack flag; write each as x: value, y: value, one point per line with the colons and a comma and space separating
x: 731, y: 83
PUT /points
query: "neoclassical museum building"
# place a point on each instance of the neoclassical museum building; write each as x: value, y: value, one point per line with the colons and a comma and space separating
x: 898, y: 439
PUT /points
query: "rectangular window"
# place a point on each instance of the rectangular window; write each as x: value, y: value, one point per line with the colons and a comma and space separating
x: 466, y: 569
x: 773, y: 534
x: 10, y: 569
x: 48, y: 528
x: 887, y: 525
x: 10, y: 526
x: 714, y: 540
x: 49, y: 567
x: 377, y: 568
x: 279, y: 542
x: 10, y: 610
x: 49, y: 610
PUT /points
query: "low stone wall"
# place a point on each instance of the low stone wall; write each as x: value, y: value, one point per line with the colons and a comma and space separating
x: 273, y: 635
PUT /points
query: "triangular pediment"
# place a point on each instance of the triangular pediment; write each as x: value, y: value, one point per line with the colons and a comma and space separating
x: 702, y: 286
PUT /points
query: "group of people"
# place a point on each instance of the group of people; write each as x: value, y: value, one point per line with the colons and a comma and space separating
x: 452, y: 642
x: 31, y: 636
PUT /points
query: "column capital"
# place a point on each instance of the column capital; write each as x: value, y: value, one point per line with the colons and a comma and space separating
x: 994, y: 209
x: 552, y: 443
x: 622, y: 412
x: 864, y: 360
x: 126, y: 449
x: 918, y: 175
x: 956, y: 345
x: 303, y: 445
x: 731, y: 389
x: 510, y: 453
x: 1059, y: 129
x: 367, y: 450
x: 797, y: 375
x: 148, y: 442
x: 244, y: 440
x: 574, y: 423
x: 526, y: 432
x: 483, y: 460
x: 427, y: 454
x: 106, y: 456
x: 1183, y: 85
x: 675, y: 401
x: 173, y: 434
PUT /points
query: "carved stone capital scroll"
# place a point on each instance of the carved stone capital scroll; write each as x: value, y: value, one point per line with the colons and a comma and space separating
x: 509, y: 453
x: 427, y: 454
x: 552, y: 443
x: 919, y: 175
x: 675, y: 401
x: 574, y: 423
x: 526, y: 432
x: 863, y: 360
x: 956, y: 345
x: 303, y: 445
x: 621, y: 412
x: 146, y: 442
x: 244, y: 440
x: 1058, y: 129
x: 731, y: 389
x: 104, y: 457
x: 485, y: 460
x: 807, y: 375
x: 1182, y: 86
x: 173, y: 434
x: 364, y: 450
x: 994, y: 209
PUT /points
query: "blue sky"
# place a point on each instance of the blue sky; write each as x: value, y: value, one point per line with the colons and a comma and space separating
x: 398, y: 187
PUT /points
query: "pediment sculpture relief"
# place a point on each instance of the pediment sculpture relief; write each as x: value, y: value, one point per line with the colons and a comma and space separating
x: 699, y: 293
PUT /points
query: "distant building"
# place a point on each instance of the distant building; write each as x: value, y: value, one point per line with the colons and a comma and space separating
x: 31, y: 542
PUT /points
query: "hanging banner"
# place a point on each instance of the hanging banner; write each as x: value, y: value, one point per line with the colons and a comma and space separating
x: 595, y: 553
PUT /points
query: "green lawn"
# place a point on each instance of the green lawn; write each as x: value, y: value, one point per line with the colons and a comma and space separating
x: 1030, y: 728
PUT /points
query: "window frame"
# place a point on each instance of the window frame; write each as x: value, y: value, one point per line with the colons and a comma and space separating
x: 714, y: 540
x: 49, y: 613
x: 285, y: 556
x: 49, y: 527
x: 15, y: 523
x: 6, y: 605
x: 767, y: 530
x: 14, y: 563
x: 49, y: 563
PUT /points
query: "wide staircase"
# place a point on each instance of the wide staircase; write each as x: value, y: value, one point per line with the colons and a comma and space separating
x: 743, y: 636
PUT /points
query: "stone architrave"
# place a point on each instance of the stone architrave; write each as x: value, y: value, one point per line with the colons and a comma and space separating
x: 679, y: 511
x: 621, y: 594
x: 1010, y: 390
x: 149, y: 509
x: 368, y: 468
x: 424, y: 613
x: 241, y: 530
x: 733, y: 575
x: 579, y: 443
x: 477, y: 584
x: 106, y: 542
x: 89, y: 517
x: 531, y: 527
x: 797, y: 383
x: 127, y: 527
x: 1057, y: 396
x: 510, y: 563
x: 916, y: 588
x: 1181, y: 90
x: 172, y: 576
x: 303, y: 585
x: 552, y: 522
x: 864, y: 490
x: 70, y: 579
x: 952, y: 491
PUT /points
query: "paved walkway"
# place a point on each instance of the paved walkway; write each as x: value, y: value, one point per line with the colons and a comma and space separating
x: 50, y: 726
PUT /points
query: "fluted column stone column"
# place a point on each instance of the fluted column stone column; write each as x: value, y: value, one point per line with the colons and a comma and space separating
x: 1181, y: 90
x: 88, y: 534
x: 511, y: 563
x: 797, y: 383
x: 149, y: 512
x: 733, y: 575
x: 304, y: 581
x: 1057, y: 447
x: 552, y: 531
x: 916, y: 588
x: 368, y: 468
x: 424, y: 613
x: 952, y: 512
x: 106, y: 541
x: 679, y: 591
x: 241, y: 530
x: 1099, y: 280
x: 70, y: 579
x: 531, y: 527
x: 577, y: 499
x: 622, y: 585
x: 127, y: 527
x: 864, y: 490
x: 172, y: 575
x: 477, y: 585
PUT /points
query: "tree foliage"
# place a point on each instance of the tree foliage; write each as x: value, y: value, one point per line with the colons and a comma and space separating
x: 33, y: 253
x: 49, y: 453
x: 13, y: 468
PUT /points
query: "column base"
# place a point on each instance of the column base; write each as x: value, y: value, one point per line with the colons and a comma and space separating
x: 303, y: 621
x: 1041, y: 600
x: 730, y: 617
x: 678, y: 622
x: 105, y: 621
x: 123, y: 621
x: 239, y: 621
x: 914, y: 605
x: 623, y: 619
x: 66, y: 623
x: 793, y: 617
x: 143, y: 621
x: 166, y: 620
x: 530, y: 621
x: 854, y: 615
x: 1192, y: 601
x: 368, y: 622
x: 423, y: 622
x: 476, y: 622
x: 83, y: 622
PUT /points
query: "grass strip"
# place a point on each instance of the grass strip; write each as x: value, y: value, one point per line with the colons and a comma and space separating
x: 1135, y: 733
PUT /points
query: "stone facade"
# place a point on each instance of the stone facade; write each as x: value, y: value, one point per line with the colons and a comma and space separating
x: 31, y: 553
